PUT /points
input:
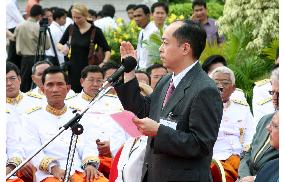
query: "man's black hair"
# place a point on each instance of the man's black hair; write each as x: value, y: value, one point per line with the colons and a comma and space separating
x: 54, y: 70
x: 160, y: 4
x: 12, y: 67
x: 154, y: 66
x: 90, y: 69
x: 199, y: 3
x: 213, y: 60
x: 130, y: 6
x: 36, y: 10
x: 144, y: 7
x: 108, y: 10
x: 193, y: 33
x: 58, y: 13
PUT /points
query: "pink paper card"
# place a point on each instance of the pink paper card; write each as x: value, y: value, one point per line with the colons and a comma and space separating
x: 124, y: 119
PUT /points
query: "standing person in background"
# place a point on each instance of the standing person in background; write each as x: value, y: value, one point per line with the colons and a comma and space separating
x: 159, y: 12
x: 142, y: 19
x: 200, y: 14
x: 59, y: 17
x: 183, y: 114
x: 27, y: 35
x: 80, y: 34
x: 156, y: 72
x: 130, y: 11
x: 13, y: 18
x: 107, y: 23
x: 47, y: 13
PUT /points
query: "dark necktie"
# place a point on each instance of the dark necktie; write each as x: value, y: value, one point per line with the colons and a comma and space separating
x: 169, y: 92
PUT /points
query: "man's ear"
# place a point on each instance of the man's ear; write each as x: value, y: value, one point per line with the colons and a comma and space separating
x: 233, y: 87
x: 187, y: 49
x: 68, y: 88
x: 42, y: 89
x: 81, y: 81
x: 20, y: 80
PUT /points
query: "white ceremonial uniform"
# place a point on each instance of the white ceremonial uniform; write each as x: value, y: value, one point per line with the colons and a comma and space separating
x: 129, y: 167
x: 106, y: 24
x: 14, y: 149
x: 100, y: 120
x: 262, y: 100
x: 142, y: 52
x: 56, y: 32
x: 42, y: 126
x: 238, y: 94
x: 236, y: 130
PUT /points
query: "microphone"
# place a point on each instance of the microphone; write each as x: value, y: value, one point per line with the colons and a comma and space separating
x: 127, y: 65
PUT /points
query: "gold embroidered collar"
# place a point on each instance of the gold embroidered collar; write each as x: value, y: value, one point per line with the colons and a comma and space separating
x: 86, y: 97
x: 56, y: 112
x: 15, y: 100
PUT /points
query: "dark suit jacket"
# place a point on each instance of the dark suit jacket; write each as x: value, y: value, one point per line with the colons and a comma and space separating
x: 183, y: 154
x: 250, y: 164
x: 269, y: 172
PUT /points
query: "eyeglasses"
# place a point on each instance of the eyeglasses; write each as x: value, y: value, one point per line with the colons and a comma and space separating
x: 224, y: 83
x: 273, y: 92
x: 99, y: 81
x: 273, y: 126
x: 11, y: 79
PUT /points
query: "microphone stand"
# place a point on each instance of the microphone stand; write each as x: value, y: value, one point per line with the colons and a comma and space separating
x: 72, y: 123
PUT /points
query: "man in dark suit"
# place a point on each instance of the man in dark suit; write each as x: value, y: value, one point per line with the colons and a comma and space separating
x: 182, y: 130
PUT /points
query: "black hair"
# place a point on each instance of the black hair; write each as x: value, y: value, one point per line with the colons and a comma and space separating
x: 108, y: 10
x: 92, y: 12
x: 194, y: 34
x: 36, y: 10
x: 144, y: 7
x: 155, y: 66
x: 144, y: 72
x: 199, y: 3
x: 90, y: 69
x: 130, y: 6
x: 58, y: 13
x: 213, y: 60
x: 12, y: 67
x: 54, y: 70
x: 40, y: 63
x: 109, y: 65
x: 160, y: 4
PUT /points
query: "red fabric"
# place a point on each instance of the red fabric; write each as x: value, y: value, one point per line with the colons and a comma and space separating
x: 14, y: 180
x: 76, y: 177
x: 113, y: 170
x: 216, y: 175
x: 105, y: 165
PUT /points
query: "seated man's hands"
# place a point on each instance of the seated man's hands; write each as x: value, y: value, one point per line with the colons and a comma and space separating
x: 247, y: 179
x: 27, y: 170
x: 104, y: 148
x: 91, y: 172
x: 58, y: 173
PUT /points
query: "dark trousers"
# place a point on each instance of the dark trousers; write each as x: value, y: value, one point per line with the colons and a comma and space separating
x: 12, y: 55
x: 26, y: 72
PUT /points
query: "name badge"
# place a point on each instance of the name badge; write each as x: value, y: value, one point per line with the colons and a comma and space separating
x: 169, y: 123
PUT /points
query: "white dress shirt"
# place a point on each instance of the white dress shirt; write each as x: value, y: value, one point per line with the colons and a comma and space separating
x: 106, y: 24
x: 13, y: 15
x: 56, y: 33
x: 142, y: 52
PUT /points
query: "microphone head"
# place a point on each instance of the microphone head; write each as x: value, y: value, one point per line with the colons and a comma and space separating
x: 129, y: 63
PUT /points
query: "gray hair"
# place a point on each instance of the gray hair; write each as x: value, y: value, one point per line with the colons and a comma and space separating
x: 39, y: 63
x: 224, y: 70
x: 275, y: 75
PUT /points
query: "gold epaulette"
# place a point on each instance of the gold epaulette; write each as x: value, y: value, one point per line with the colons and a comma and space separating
x: 35, y: 95
x: 75, y: 108
x: 238, y: 89
x: 15, y: 161
x: 7, y: 111
x: 241, y: 102
x: 111, y: 95
x: 45, y: 163
x: 261, y: 82
x: 71, y: 96
x: 94, y: 161
x: 29, y: 111
x: 264, y: 100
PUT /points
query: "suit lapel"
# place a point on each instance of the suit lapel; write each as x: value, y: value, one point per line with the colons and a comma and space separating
x: 179, y: 92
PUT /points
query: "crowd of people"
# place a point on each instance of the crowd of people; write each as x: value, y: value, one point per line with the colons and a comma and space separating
x: 195, y: 124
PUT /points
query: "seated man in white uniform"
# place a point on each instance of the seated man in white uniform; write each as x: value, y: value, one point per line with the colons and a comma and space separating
x: 236, y: 129
x: 44, y: 122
